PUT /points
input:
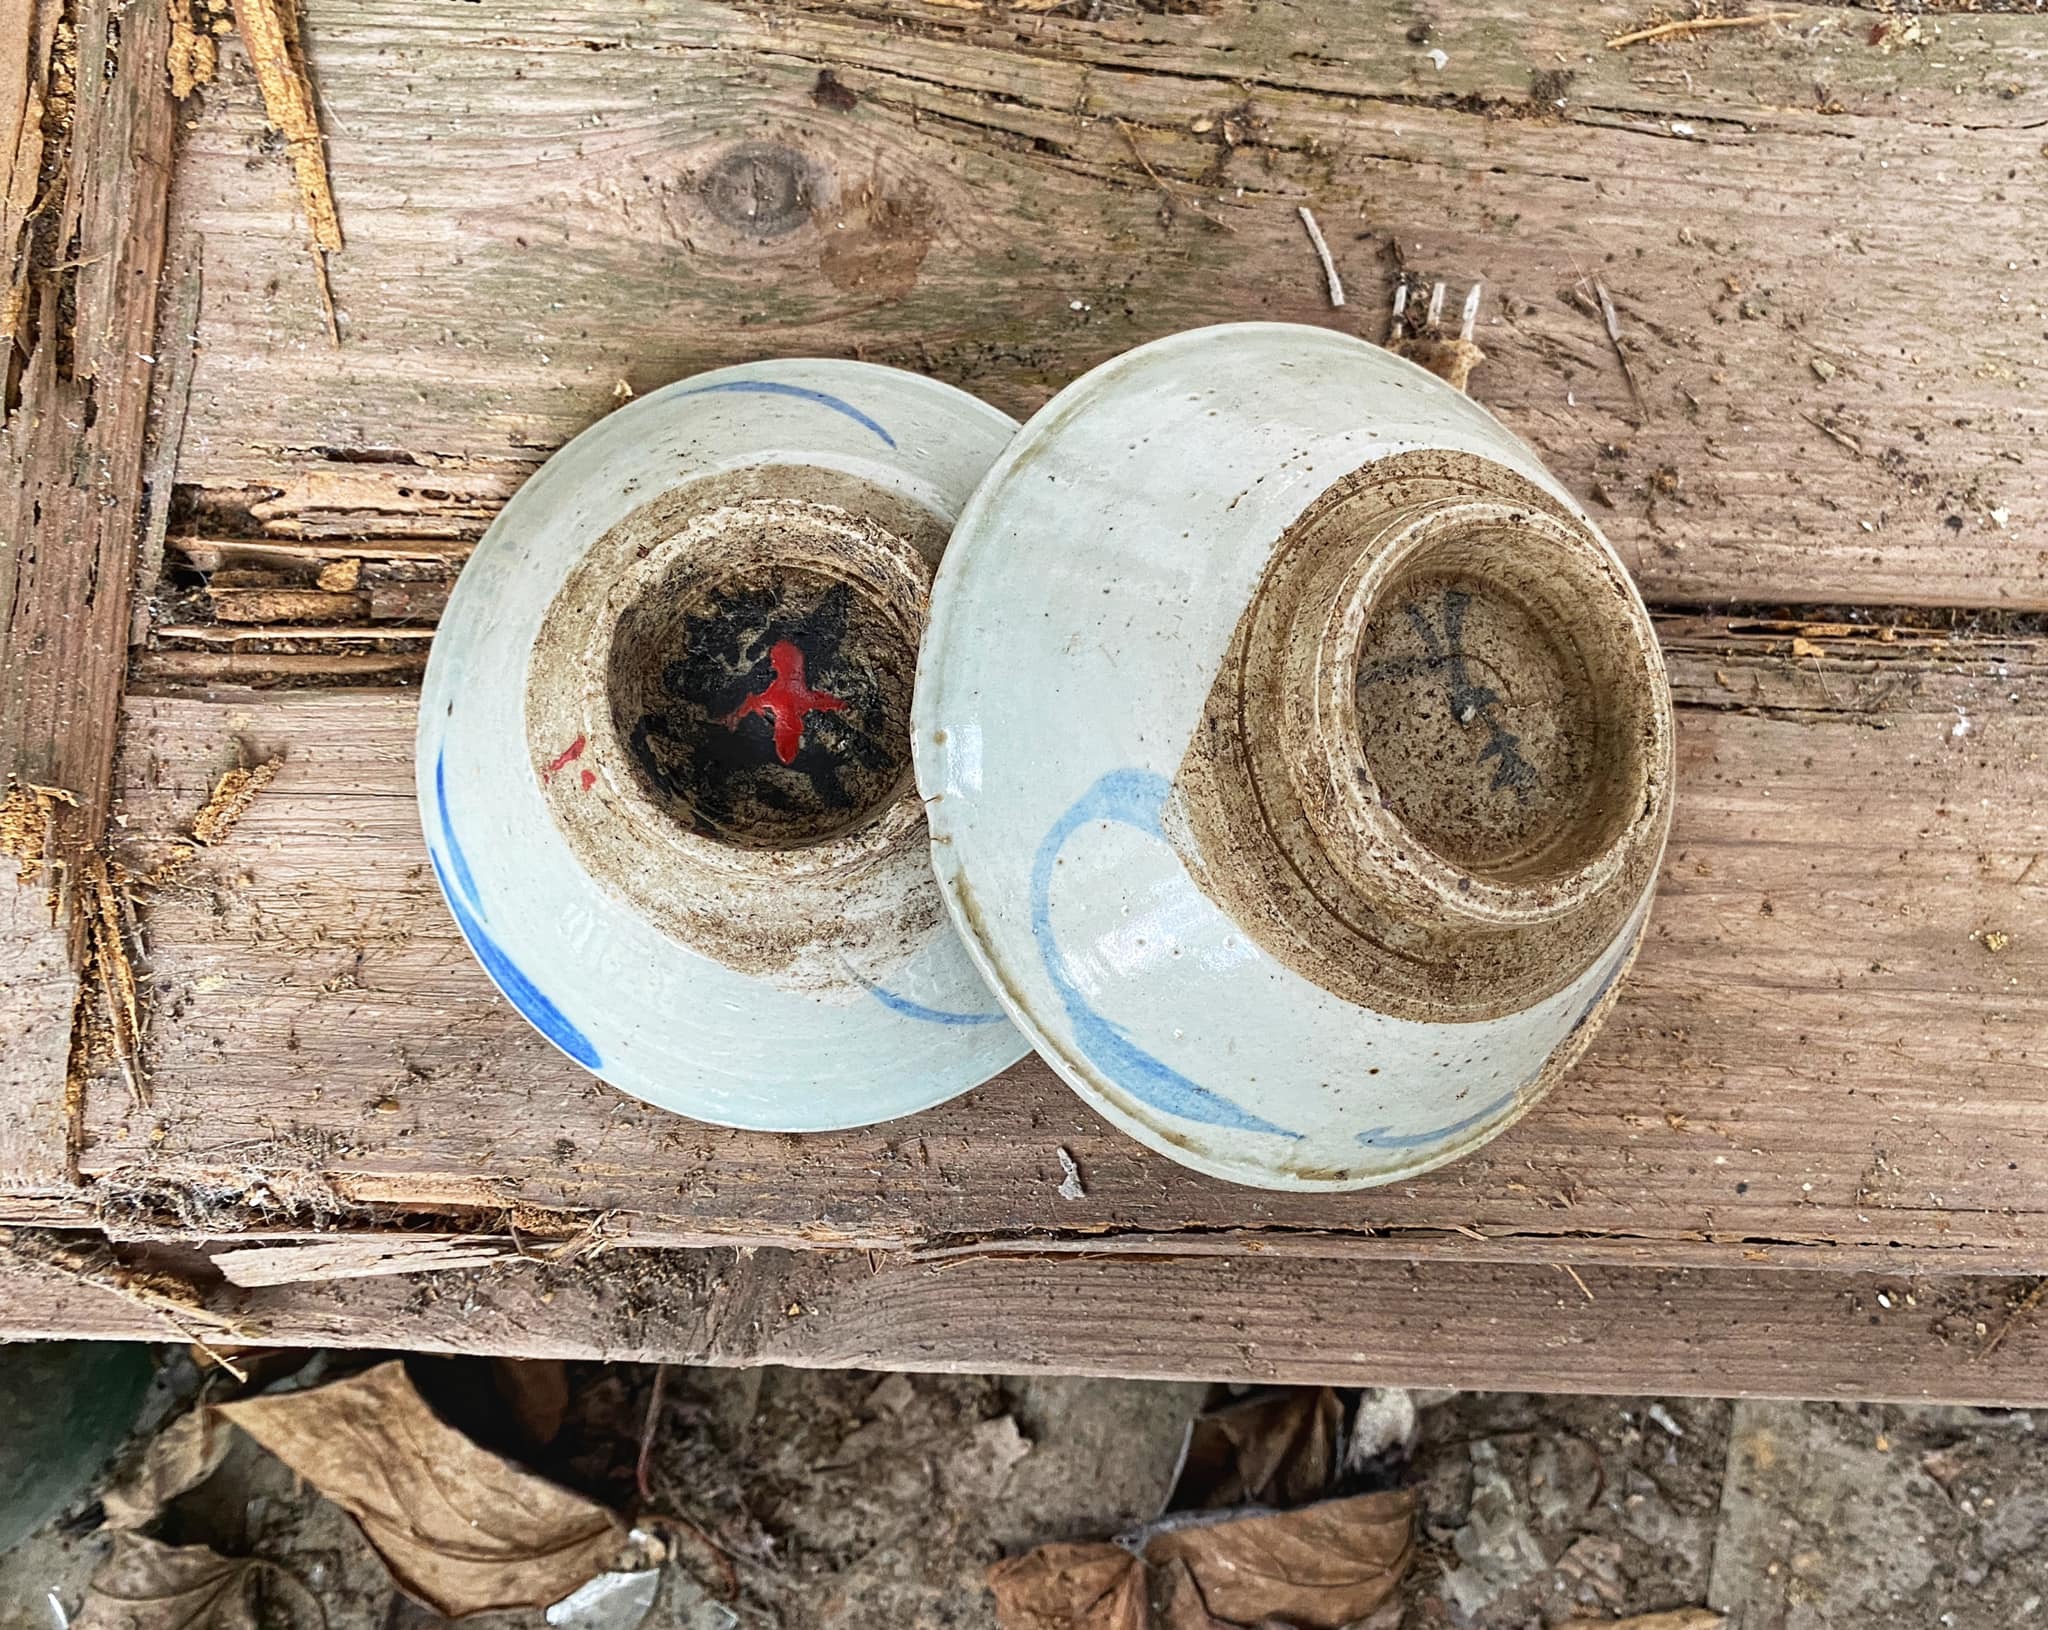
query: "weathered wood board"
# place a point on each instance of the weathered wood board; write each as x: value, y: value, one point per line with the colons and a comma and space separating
x: 1823, y: 246
x: 1721, y: 1332
x: 1819, y: 236
x: 85, y: 155
x: 1833, y: 1037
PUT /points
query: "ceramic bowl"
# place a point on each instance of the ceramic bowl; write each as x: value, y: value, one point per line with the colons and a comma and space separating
x: 663, y: 753
x: 1297, y: 756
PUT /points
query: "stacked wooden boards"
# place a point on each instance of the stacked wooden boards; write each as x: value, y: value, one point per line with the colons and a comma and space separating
x: 1826, y: 1081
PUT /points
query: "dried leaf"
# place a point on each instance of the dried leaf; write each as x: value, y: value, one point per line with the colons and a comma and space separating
x: 461, y: 1529
x: 182, y: 1456
x: 1318, y: 1568
x: 147, y: 1586
x: 1684, y: 1618
x: 1276, y: 1448
x: 1180, y: 1603
x: 1070, y: 1587
x: 536, y: 1390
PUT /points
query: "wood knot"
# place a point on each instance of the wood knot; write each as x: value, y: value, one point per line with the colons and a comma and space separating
x: 761, y: 189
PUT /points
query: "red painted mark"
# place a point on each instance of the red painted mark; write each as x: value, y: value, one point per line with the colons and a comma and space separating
x: 589, y: 779
x: 787, y: 700
x: 567, y: 756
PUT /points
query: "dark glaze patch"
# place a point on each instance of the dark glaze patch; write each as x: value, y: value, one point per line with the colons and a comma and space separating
x: 771, y: 713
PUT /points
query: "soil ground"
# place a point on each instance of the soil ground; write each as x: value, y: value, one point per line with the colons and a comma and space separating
x: 851, y: 1500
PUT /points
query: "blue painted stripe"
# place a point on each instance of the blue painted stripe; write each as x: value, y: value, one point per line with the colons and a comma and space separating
x: 1137, y: 799
x: 539, y: 1010
x: 1385, y: 1137
x: 456, y: 859
x: 803, y: 393
x: 930, y: 1015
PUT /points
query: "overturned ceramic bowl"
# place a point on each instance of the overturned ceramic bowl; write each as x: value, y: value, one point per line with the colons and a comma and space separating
x: 664, y: 748
x: 1297, y: 756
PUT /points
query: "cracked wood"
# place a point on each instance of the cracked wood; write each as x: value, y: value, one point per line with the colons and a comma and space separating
x: 82, y: 313
x: 1831, y: 1043
x: 1728, y: 1332
x: 563, y: 198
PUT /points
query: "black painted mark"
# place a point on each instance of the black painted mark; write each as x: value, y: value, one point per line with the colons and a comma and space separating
x: 784, y: 713
x: 1470, y: 701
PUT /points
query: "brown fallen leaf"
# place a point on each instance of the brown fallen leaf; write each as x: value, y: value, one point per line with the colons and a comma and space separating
x: 1684, y: 1618
x: 1071, y: 1587
x: 536, y: 1390
x: 461, y: 1529
x: 1319, y: 1568
x: 1180, y: 1603
x: 182, y: 1456
x: 1277, y: 1448
x: 144, y: 1585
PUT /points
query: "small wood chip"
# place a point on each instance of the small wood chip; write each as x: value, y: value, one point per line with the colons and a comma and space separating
x: 340, y: 576
x: 1071, y: 1187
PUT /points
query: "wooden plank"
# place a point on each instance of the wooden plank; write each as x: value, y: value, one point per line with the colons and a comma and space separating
x: 87, y: 128
x: 1830, y: 1051
x: 1821, y: 247
x: 1721, y: 1332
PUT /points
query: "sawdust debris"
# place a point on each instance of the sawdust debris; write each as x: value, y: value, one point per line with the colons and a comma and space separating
x: 26, y: 815
x: 232, y: 795
x: 192, y: 56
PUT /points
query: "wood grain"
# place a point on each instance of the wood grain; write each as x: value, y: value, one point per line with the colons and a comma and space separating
x: 1830, y: 1050
x: 1739, y: 1332
x: 1820, y: 248
x: 84, y: 252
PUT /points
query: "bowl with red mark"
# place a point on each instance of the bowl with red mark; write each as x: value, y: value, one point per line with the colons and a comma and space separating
x: 663, y: 752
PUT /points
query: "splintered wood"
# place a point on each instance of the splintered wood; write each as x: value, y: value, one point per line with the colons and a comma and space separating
x: 166, y: 1296
x: 33, y: 93
x: 27, y: 815
x: 270, y: 29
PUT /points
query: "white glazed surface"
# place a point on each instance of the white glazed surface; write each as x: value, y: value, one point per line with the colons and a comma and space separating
x: 627, y: 1001
x: 1078, y: 622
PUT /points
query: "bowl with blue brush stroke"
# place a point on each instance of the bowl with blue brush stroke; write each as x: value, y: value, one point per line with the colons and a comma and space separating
x: 663, y: 754
x: 1297, y: 756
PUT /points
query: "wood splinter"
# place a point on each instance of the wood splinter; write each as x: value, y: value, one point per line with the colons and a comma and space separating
x: 1315, y: 237
x: 1698, y: 25
x: 270, y: 31
x: 1451, y: 360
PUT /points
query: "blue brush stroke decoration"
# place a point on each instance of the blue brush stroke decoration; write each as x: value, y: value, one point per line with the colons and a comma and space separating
x: 463, y: 900
x: 1384, y: 1137
x: 803, y: 393
x: 1137, y: 799
x: 930, y: 1015
x: 1606, y: 984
